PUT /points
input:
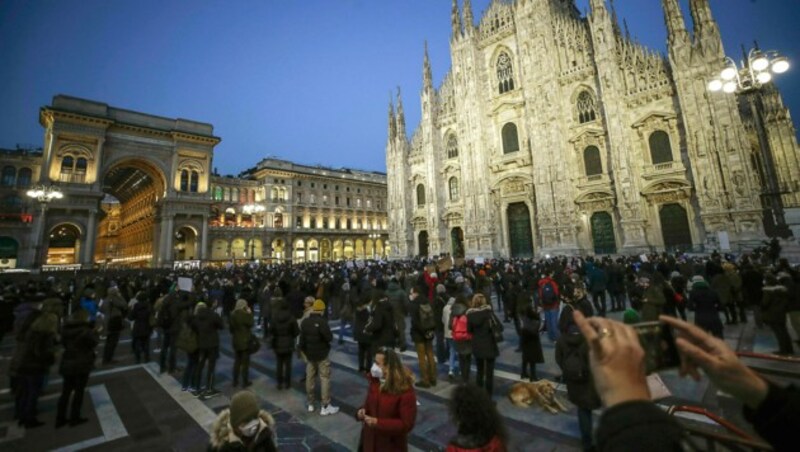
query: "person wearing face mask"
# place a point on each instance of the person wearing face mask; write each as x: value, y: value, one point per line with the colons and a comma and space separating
x: 243, y: 427
x: 390, y: 410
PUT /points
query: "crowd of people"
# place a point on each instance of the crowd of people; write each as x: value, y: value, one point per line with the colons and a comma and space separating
x: 455, y: 313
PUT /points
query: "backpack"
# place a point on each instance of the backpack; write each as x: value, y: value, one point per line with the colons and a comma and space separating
x: 459, y: 329
x: 427, y: 321
x: 548, y: 293
x: 575, y: 367
x: 497, y: 328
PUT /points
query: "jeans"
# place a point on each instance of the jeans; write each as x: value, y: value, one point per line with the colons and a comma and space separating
x: 551, y: 320
x: 585, y: 426
x: 29, y: 388
x: 241, y: 366
x: 323, y: 368
x: 485, y: 377
x: 427, y: 363
x: 74, y: 387
x: 453, y: 364
x: 364, y: 357
x: 599, y: 299
x: 206, y: 355
x: 618, y: 301
x: 168, y: 352
x: 441, y: 348
x: 342, y: 325
x: 284, y: 369
x: 188, y: 373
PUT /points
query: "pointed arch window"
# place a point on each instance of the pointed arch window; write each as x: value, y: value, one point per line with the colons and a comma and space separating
x: 452, y: 147
x: 587, y: 109
x: 505, y: 73
x: 510, y: 138
x: 420, y: 195
x: 452, y: 184
x: 660, y: 148
x: 592, y: 162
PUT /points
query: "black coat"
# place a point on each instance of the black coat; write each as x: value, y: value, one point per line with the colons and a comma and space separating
x: 79, y: 341
x: 706, y: 305
x: 315, y: 337
x: 207, y: 324
x: 140, y: 314
x: 382, y: 326
x: 284, y: 330
x: 483, y: 344
x: 360, y: 320
x: 417, y: 333
x: 582, y: 393
x: 531, y: 344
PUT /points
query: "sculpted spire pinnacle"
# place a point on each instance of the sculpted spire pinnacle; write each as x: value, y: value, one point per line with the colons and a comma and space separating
x: 469, y: 22
x: 676, y: 27
x: 706, y: 32
x: 401, y: 117
x: 427, y: 77
x: 455, y: 19
x: 392, y: 123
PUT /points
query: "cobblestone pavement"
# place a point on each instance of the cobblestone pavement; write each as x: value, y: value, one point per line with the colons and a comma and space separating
x: 133, y: 406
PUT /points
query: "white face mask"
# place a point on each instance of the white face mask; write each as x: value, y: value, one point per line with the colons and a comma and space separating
x: 250, y: 429
x: 376, y: 371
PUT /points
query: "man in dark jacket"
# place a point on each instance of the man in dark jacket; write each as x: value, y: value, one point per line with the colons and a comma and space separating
x: 315, y: 343
x: 398, y: 299
x: 79, y: 341
x: 283, y: 328
x: 382, y: 327
x: 422, y: 336
x: 598, y: 280
x: 114, y: 309
x: 572, y: 357
x: 206, y: 324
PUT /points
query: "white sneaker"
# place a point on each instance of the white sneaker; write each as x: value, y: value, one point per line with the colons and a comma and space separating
x: 328, y: 409
x: 310, y: 408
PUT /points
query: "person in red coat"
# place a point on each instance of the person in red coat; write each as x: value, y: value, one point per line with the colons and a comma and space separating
x: 390, y: 410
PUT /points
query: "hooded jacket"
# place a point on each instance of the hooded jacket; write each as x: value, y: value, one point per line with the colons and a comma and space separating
x: 222, y: 437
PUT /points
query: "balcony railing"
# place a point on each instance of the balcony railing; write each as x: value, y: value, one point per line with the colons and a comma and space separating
x: 72, y: 178
x: 659, y: 169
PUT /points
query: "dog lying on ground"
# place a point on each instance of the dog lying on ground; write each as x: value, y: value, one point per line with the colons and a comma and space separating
x: 542, y: 393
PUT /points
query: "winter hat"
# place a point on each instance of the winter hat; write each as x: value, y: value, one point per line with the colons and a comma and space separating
x: 318, y: 306
x: 630, y: 316
x: 460, y: 280
x: 244, y: 408
x: 199, y: 307
x: 440, y: 288
x: 240, y: 304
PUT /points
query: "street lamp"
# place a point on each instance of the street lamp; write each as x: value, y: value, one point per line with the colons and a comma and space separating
x: 44, y: 194
x: 757, y: 70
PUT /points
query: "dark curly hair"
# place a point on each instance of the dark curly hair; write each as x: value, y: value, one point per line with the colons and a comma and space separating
x: 475, y: 414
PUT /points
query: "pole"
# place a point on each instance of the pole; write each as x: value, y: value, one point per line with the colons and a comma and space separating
x: 37, y: 256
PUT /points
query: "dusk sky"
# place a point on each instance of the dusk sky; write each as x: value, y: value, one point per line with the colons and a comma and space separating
x: 304, y: 80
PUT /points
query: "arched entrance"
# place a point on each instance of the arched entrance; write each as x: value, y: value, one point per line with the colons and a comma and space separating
x: 423, y: 243
x: 457, y: 242
x: 278, y: 251
x: 313, y: 250
x: 8, y: 252
x: 520, y: 238
x: 349, y: 251
x: 603, y: 233
x: 299, y: 252
x: 126, y: 227
x: 379, y: 248
x: 238, y: 248
x: 360, y: 249
x: 63, y: 245
x: 185, y: 244
x: 219, y: 249
x: 325, y: 249
x: 675, y: 227
x: 338, y: 250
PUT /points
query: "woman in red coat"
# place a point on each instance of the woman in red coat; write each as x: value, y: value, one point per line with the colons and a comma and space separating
x: 390, y: 410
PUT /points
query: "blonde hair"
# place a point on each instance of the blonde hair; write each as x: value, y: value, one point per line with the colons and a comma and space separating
x: 478, y: 300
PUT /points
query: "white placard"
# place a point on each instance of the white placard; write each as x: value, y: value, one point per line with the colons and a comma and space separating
x: 658, y: 390
x: 184, y: 284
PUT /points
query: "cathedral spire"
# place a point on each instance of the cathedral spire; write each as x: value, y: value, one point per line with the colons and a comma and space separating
x: 455, y: 19
x: 701, y: 17
x: 676, y: 27
x: 615, y: 19
x: 401, y: 118
x: 627, y: 30
x: 469, y: 22
x: 392, y: 120
x: 427, y: 77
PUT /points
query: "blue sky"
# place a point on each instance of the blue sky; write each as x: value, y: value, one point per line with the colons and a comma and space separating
x: 303, y: 80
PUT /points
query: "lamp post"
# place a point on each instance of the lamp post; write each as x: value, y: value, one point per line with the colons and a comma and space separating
x: 756, y: 71
x: 253, y: 210
x: 44, y: 194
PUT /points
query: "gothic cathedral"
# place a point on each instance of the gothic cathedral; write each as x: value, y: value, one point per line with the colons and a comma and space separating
x: 555, y: 133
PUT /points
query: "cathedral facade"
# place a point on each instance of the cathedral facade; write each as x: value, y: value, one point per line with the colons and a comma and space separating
x: 556, y: 133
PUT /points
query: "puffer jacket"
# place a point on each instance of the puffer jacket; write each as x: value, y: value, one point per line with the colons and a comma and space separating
x: 383, y: 326
x: 315, y: 337
x: 79, y: 341
x: 223, y: 439
x: 206, y: 323
x: 241, y: 324
x: 284, y: 330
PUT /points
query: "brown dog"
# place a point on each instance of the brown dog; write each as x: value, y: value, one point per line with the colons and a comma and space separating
x: 542, y: 393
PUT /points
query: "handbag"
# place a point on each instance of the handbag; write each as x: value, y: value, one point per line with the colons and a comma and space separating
x: 253, y: 344
x: 497, y: 328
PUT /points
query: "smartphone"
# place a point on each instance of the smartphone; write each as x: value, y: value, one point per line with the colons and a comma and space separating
x: 658, y: 342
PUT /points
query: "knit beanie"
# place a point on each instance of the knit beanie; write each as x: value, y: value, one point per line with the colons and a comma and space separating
x: 318, y: 306
x: 244, y: 408
x: 630, y: 316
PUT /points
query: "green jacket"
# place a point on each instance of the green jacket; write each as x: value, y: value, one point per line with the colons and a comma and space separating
x: 241, y: 324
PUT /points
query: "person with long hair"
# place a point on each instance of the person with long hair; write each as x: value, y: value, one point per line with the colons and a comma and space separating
x: 390, y: 411
x: 484, y: 347
x: 241, y: 325
x: 478, y: 424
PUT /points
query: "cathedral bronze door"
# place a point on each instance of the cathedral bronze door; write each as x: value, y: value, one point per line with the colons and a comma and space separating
x: 603, y: 233
x: 423, y: 243
x: 457, y: 242
x: 520, y: 237
x: 675, y: 228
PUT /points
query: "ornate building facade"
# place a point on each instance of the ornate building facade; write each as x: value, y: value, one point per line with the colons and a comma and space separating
x: 557, y: 133
x: 138, y: 192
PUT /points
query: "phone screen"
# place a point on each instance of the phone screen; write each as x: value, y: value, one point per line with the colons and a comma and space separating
x: 658, y: 343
